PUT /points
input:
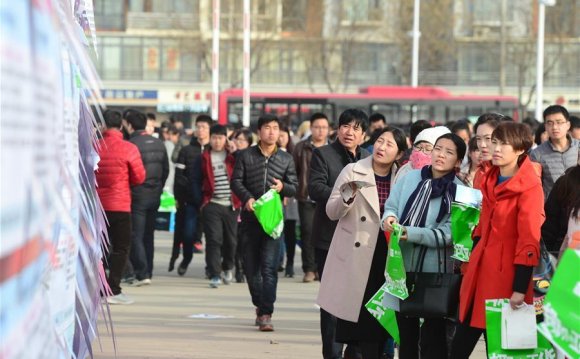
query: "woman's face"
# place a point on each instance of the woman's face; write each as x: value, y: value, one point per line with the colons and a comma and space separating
x: 283, y: 139
x: 241, y: 142
x: 483, y: 137
x: 385, y: 150
x: 444, y: 156
x: 475, y: 157
x: 503, y: 154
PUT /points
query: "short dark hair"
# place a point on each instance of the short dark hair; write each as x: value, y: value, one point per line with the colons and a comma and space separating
x: 538, y: 134
x: 554, y: 109
x: 398, y: 135
x: 267, y: 118
x: 359, y: 117
x: 246, y: 133
x: 137, y: 119
x: 173, y: 130
x: 375, y: 117
x: 150, y: 116
x: 317, y: 116
x: 574, y: 122
x: 113, y: 119
x: 459, y: 144
x: 491, y: 119
x: 218, y: 130
x: 517, y: 135
x: 459, y: 126
x: 204, y: 118
x: 417, y: 127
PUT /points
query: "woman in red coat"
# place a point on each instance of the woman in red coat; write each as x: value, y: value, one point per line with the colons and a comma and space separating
x: 506, y: 241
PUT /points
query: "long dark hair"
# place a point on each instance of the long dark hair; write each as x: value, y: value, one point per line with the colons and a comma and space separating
x: 567, y: 193
x: 290, y: 145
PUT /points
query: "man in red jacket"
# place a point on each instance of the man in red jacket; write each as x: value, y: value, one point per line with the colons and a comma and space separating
x: 119, y: 168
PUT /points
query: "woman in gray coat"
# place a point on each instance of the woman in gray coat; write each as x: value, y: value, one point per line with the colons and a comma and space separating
x: 421, y: 201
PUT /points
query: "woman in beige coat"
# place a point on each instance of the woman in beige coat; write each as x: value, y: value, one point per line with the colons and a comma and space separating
x: 355, y: 266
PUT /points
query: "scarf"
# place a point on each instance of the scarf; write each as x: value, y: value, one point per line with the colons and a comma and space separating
x: 415, y: 212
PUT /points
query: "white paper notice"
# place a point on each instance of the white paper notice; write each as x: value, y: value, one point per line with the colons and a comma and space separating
x: 468, y: 195
x: 518, y: 328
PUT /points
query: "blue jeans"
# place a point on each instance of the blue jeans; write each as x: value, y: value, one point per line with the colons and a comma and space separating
x: 261, y: 260
x: 185, y: 232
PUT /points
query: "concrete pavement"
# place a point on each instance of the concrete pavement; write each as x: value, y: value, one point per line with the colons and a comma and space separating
x: 157, y: 325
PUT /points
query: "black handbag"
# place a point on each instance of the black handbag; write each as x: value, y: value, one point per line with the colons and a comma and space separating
x: 432, y: 295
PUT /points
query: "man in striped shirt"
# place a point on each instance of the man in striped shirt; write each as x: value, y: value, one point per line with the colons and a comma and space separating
x: 219, y: 207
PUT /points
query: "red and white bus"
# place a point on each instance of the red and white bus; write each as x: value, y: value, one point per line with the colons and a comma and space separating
x: 400, y: 104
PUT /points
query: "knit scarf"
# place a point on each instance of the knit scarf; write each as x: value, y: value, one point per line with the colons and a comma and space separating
x: 415, y: 212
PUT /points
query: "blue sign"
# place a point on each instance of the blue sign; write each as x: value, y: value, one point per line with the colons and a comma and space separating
x: 129, y: 94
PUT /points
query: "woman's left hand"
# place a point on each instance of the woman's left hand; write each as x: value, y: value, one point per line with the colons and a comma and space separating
x: 517, y: 300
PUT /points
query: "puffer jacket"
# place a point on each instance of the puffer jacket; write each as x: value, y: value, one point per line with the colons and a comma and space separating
x: 254, y: 173
x: 156, y: 165
x: 120, y: 167
x: 184, y: 173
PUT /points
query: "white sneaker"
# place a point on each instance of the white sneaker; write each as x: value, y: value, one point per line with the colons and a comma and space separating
x: 120, y: 299
x: 142, y: 282
x: 228, y: 277
x: 215, y: 282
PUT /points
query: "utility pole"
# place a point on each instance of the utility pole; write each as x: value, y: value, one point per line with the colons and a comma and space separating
x: 246, y: 61
x: 416, y: 34
x: 540, y: 59
x: 502, y: 57
x: 215, y: 60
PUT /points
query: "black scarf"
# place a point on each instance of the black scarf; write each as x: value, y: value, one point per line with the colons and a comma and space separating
x: 415, y: 212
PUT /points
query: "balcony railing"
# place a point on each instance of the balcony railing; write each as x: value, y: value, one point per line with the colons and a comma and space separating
x: 161, y: 21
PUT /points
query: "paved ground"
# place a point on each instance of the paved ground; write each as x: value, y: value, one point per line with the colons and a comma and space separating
x: 157, y: 325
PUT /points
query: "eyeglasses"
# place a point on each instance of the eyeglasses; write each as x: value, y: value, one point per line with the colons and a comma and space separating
x: 555, y: 123
x: 425, y: 150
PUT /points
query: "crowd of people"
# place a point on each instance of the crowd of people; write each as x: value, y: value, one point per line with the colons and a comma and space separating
x: 357, y: 180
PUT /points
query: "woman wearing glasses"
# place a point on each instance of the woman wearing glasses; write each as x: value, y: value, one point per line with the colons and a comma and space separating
x: 422, y: 147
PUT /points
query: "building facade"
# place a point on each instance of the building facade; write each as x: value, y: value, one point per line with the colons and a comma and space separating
x: 156, y: 54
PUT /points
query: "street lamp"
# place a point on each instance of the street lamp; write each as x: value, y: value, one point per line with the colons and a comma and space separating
x: 540, y: 57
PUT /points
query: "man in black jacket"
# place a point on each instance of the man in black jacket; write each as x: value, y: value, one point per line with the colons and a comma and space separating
x: 327, y: 163
x: 187, y: 231
x: 258, y: 169
x: 145, y: 198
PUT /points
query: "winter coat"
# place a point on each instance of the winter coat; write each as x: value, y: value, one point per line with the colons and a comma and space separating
x: 327, y: 163
x: 254, y: 173
x: 509, y: 227
x: 156, y: 165
x: 120, y: 166
x: 395, y: 205
x: 302, y: 157
x: 204, y: 178
x: 349, y: 259
x: 184, y: 173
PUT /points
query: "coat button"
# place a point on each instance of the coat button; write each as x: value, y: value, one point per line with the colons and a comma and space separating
x: 357, y: 244
x: 363, y: 218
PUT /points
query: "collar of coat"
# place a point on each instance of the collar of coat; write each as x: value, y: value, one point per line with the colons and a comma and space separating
x: 528, y: 175
x: 363, y: 171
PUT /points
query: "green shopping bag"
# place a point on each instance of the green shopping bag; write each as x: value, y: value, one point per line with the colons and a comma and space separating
x: 167, y: 202
x: 268, y: 210
x: 561, y: 323
x: 493, y: 309
x: 395, y: 275
x: 384, y: 315
x: 464, y: 218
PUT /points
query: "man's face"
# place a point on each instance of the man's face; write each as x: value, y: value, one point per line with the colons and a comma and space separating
x: 202, y: 130
x: 150, y: 128
x: 375, y: 126
x: 217, y: 142
x: 269, y: 133
x: 173, y: 137
x: 319, y: 130
x: 350, y: 135
x: 575, y: 132
x: 557, y: 126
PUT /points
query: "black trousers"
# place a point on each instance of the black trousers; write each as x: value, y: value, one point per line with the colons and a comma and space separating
x: 119, y: 231
x: 143, y: 213
x: 290, y: 243
x: 220, y: 224
x: 330, y: 348
x: 306, y: 214
x: 465, y: 340
x: 422, y: 341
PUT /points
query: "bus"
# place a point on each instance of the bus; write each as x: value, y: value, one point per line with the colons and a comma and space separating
x: 401, y: 105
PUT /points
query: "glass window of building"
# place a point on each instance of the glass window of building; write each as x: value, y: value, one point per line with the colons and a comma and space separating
x: 109, y: 14
x: 294, y: 15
